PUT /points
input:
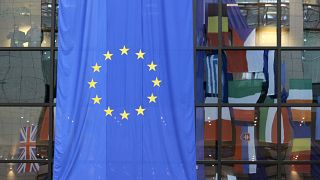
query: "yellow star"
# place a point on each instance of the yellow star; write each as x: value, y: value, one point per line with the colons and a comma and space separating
x: 108, y: 111
x: 152, y: 66
x: 96, y: 99
x: 140, y: 111
x: 108, y: 55
x: 124, y: 50
x: 92, y: 84
x: 156, y: 82
x: 124, y: 115
x: 152, y: 98
x: 96, y: 67
x: 140, y: 54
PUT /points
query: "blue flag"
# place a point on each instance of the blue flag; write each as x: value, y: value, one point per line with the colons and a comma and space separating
x: 125, y: 90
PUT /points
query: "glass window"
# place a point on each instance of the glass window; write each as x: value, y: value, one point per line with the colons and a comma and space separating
x: 244, y: 23
x: 300, y: 23
x: 207, y: 134
x: 24, y: 133
x: 24, y: 76
x: 249, y: 76
x: 300, y: 76
x: 303, y: 132
x: 24, y: 171
x: 206, y: 172
x: 25, y: 87
x: 25, y: 23
x: 249, y: 171
x: 207, y: 77
x: 300, y: 171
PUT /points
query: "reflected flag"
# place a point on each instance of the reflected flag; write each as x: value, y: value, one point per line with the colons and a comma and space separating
x: 300, y: 91
x: 301, y: 145
x: 27, y: 149
x: 244, y: 91
x: 212, y: 75
x: 212, y: 25
x: 268, y: 131
x: 245, y: 149
x: 211, y: 123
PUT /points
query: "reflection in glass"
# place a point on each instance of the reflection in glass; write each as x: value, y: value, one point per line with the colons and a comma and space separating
x: 206, y: 76
x: 24, y: 133
x: 249, y: 171
x: 24, y: 76
x: 254, y: 133
x: 206, y: 133
x: 300, y: 76
x: 248, y: 76
x: 206, y: 172
x: 25, y: 24
x: 243, y: 23
x: 9, y: 171
x: 304, y: 137
x: 247, y: 134
x: 292, y: 172
x: 300, y: 23
x: 16, y: 37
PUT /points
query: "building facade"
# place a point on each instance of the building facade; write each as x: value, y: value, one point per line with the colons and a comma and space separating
x: 257, y: 87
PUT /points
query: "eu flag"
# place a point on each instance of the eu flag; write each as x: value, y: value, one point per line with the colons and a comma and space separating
x: 125, y: 100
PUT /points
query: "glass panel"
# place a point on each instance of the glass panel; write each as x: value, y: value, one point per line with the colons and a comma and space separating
x: 21, y: 128
x: 249, y: 76
x: 300, y: 76
x: 303, y: 134
x: 206, y: 133
x: 25, y: 23
x: 244, y: 23
x: 206, y: 172
x: 207, y: 77
x: 249, y: 133
x: 249, y: 171
x: 24, y: 76
x: 32, y: 171
x: 300, y: 172
x: 300, y: 23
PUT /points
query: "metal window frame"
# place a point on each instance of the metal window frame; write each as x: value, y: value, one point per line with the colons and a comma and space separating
x: 220, y: 48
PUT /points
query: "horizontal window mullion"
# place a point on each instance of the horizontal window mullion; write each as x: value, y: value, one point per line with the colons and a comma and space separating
x: 27, y: 48
x: 27, y: 104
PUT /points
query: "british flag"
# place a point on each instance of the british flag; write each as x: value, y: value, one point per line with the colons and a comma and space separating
x: 27, y: 149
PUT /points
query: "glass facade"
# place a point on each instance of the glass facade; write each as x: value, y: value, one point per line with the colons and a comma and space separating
x: 257, y: 88
x: 27, y: 90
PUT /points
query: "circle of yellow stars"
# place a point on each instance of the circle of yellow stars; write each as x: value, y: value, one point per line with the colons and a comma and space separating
x: 139, y: 111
